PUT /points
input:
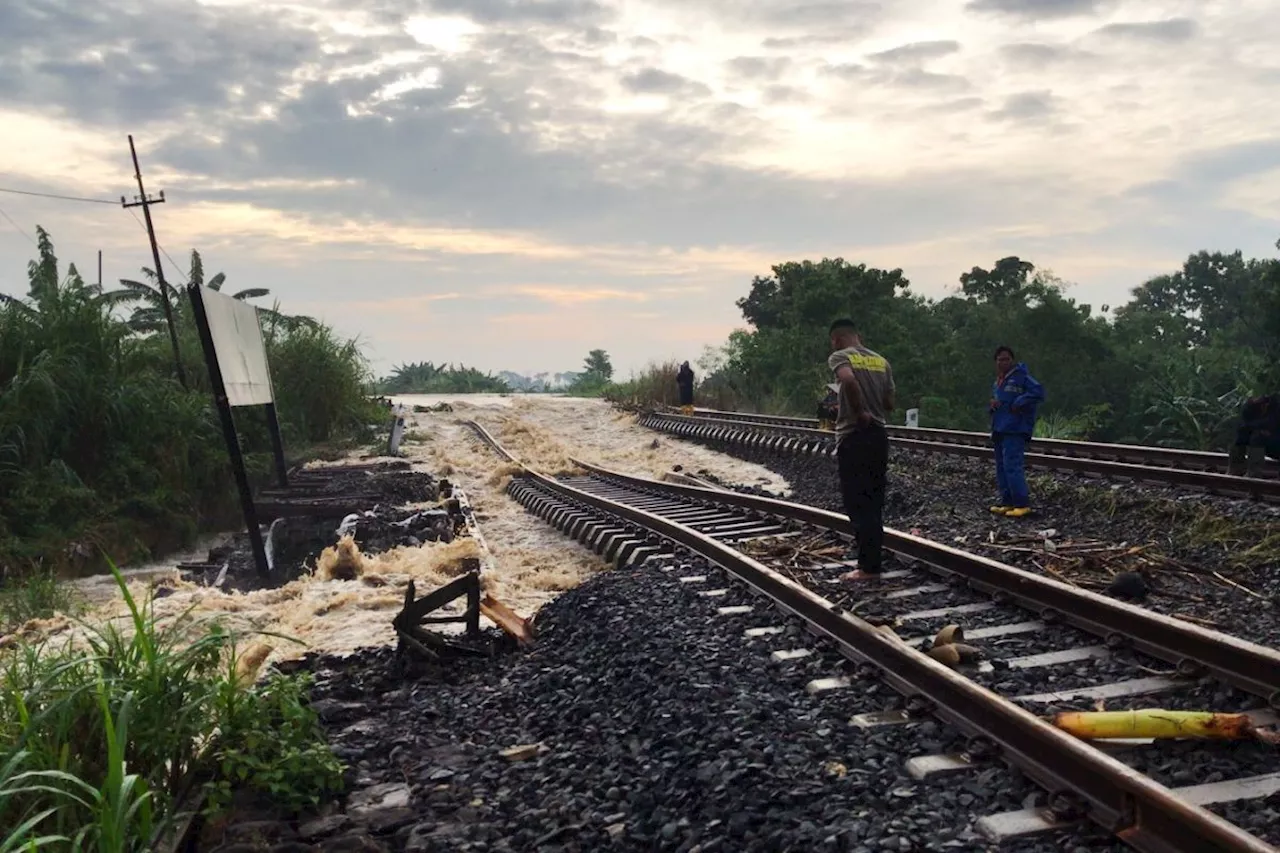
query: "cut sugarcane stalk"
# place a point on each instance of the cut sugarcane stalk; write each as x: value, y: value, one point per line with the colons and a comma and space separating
x: 1156, y: 723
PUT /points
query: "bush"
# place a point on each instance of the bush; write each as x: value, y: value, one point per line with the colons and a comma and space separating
x: 101, y: 739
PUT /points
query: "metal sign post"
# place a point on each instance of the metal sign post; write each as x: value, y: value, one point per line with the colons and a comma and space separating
x: 223, y: 404
x: 277, y: 446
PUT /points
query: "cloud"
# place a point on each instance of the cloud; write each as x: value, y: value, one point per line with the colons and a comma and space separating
x: 1039, y: 56
x: 655, y: 81
x: 1170, y: 31
x: 113, y: 63
x: 759, y: 67
x: 916, y: 79
x: 576, y: 296
x: 824, y: 15
x: 526, y: 11
x: 916, y: 52
x: 841, y: 37
x: 1037, y: 9
x: 1026, y: 106
x: 575, y: 159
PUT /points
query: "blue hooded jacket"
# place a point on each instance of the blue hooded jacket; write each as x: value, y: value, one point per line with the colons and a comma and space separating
x: 1017, y: 391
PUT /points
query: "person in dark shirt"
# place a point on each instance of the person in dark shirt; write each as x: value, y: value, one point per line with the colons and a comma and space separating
x: 864, y: 380
x: 1257, y: 436
x: 684, y: 381
x: 1015, y: 395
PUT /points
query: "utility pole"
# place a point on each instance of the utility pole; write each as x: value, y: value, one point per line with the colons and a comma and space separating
x: 99, y: 269
x: 143, y: 201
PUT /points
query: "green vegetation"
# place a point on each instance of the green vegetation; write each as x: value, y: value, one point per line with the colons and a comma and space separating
x: 103, y: 452
x: 596, y: 377
x: 102, y: 741
x: 1170, y: 367
x: 427, y: 378
x: 39, y: 595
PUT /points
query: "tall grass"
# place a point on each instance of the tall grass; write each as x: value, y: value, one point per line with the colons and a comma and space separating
x: 656, y: 386
x: 102, y: 738
x: 102, y: 451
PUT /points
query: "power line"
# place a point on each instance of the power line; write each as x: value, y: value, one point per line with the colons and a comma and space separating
x: 59, y: 197
x: 177, y: 269
x: 17, y: 227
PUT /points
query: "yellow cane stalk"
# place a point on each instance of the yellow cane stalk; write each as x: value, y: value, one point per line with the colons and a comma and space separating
x: 1156, y: 723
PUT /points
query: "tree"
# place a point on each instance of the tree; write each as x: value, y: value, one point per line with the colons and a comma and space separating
x: 1005, y: 280
x: 597, y: 366
x: 150, y: 316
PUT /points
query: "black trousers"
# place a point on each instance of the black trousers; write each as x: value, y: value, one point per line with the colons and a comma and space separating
x: 863, y: 459
x: 686, y: 394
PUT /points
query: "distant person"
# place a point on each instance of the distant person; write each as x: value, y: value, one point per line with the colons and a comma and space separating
x: 829, y: 408
x: 1015, y: 395
x: 865, y: 382
x: 1257, y: 436
x: 684, y: 381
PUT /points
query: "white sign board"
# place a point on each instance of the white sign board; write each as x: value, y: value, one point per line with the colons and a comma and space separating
x: 242, y: 354
x: 913, y: 417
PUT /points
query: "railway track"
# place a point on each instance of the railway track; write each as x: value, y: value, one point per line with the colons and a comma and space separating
x: 1136, y: 454
x: 781, y: 435
x: 712, y: 534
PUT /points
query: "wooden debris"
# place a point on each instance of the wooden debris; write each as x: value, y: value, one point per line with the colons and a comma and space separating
x: 1093, y: 564
x: 523, y: 752
x: 507, y: 619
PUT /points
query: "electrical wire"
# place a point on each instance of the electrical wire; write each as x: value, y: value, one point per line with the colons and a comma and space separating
x: 59, y: 197
x: 17, y: 227
x: 177, y: 270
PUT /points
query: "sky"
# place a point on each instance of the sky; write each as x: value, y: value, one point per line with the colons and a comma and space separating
x: 511, y: 183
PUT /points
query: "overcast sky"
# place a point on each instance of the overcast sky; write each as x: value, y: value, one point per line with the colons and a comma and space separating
x: 509, y: 183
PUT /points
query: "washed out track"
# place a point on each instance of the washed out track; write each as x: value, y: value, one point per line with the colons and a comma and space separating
x: 1035, y: 633
x: 1186, y: 468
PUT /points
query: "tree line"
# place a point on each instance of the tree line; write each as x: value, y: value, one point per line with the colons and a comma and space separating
x: 1171, y: 366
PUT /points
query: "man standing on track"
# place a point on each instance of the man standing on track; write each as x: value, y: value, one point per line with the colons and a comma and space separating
x: 866, y: 397
x: 1257, y: 436
x: 684, y: 382
x: 1014, y: 398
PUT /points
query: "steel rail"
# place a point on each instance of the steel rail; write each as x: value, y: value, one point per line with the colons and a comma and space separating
x: 1139, y: 811
x: 1195, y: 650
x: 1139, y: 454
x: 821, y: 441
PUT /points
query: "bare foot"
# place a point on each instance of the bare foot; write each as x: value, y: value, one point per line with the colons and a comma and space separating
x: 859, y: 575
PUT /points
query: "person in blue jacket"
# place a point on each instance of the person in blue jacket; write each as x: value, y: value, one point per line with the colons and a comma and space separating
x: 1015, y: 395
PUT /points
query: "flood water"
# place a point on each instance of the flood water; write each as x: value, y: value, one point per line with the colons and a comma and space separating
x: 504, y: 400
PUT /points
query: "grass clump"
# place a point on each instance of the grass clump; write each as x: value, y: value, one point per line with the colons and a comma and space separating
x: 39, y: 595
x: 105, y: 739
